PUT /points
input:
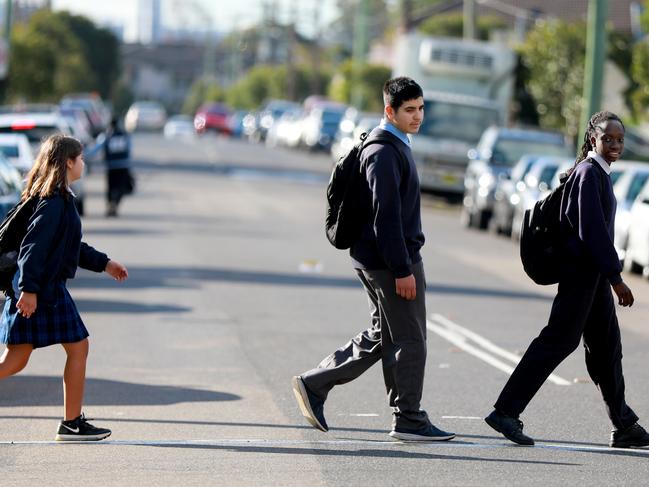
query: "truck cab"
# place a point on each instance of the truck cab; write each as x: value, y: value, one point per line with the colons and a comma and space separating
x: 467, y: 88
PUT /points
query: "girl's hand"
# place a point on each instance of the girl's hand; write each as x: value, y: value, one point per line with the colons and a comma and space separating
x: 116, y: 270
x: 624, y: 294
x: 26, y: 304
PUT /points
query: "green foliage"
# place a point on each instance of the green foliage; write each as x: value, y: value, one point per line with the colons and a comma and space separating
x: 553, y: 54
x: 264, y: 82
x: 58, y: 53
x: 202, y: 91
x: 640, y: 74
x: 368, y: 83
x: 452, y: 25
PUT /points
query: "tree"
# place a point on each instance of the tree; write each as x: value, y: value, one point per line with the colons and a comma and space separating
x: 554, y: 54
x: 203, y: 90
x: 452, y: 25
x: 56, y: 53
x: 370, y: 79
x: 640, y: 74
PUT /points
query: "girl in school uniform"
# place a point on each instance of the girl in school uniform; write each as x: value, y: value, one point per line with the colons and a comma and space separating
x: 584, y: 305
x: 40, y: 311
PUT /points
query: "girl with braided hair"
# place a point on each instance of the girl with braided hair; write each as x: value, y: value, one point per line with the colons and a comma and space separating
x: 39, y: 310
x: 584, y: 305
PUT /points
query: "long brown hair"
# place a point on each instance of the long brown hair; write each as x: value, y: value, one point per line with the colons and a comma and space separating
x: 48, y: 175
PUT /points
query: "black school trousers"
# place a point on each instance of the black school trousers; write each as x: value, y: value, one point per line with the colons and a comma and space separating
x: 583, y: 307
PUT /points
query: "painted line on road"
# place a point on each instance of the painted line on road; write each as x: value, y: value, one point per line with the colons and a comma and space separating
x: 460, y: 336
x: 337, y: 443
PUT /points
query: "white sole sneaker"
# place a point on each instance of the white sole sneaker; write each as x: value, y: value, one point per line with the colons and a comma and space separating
x: 62, y: 437
x: 414, y: 437
x: 303, y: 402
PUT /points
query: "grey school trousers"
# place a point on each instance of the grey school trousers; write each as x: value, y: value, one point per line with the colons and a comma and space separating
x: 397, y: 337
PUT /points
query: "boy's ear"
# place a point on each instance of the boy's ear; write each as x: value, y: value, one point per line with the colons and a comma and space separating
x: 389, y: 112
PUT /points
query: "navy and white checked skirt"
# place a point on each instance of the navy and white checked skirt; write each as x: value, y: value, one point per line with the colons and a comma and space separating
x: 58, y: 322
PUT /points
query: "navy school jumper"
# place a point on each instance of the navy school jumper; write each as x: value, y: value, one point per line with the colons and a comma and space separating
x: 584, y: 304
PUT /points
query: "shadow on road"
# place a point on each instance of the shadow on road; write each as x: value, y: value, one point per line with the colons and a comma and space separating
x: 105, y: 306
x: 175, y: 277
x: 29, y: 390
x: 364, y: 453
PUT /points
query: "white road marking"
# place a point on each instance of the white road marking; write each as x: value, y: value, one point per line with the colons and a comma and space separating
x: 459, y: 336
x: 226, y: 443
x: 461, y: 417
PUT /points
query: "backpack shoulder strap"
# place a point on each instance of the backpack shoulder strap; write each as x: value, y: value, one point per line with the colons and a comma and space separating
x: 385, y: 141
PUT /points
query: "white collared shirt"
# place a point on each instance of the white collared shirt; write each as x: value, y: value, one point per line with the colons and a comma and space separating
x: 600, y: 160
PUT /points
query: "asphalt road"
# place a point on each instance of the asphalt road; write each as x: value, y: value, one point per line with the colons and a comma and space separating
x: 233, y: 289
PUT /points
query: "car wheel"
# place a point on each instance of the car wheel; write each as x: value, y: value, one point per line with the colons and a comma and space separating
x: 482, y: 219
x: 631, y: 266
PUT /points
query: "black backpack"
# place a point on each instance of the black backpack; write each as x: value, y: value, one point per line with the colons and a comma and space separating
x: 346, y: 213
x: 542, y: 238
x: 12, y: 232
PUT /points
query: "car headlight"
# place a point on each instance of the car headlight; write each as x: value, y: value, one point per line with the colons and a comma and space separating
x: 486, y: 180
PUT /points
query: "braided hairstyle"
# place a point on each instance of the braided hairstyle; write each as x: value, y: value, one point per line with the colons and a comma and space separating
x: 594, y: 124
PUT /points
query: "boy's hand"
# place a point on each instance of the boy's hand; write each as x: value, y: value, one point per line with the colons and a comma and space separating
x: 116, y: 270
x: 26, y: 304
x: 407, y: 287
x: 624, y: 294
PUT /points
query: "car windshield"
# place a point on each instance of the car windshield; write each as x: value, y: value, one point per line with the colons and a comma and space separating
x: 637, y: 183
x: 507, y: 151
x: 9, y: 150
x: 466, y: 123
x: 547, y: 174
x: 331, y: 116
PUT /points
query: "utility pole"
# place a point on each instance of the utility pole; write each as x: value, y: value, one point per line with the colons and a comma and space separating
x: 315, y: 53
x: 595, y: 59
x: 290, y: 62
x: 469, y: 23
x: 6, y: 49
x: 359, y: 52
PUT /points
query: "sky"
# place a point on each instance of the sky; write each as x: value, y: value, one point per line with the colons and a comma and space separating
x: 223, y: 15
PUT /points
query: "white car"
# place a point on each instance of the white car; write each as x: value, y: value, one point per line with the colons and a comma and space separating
x: 637, y: 250
x: 37, y: 127
x: 16, y: 148
x: 627, y: 186
x: 145, y: 115
x: 179, y: 126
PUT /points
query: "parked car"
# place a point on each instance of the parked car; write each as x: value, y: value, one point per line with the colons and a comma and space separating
x: 506, y: 195
x: 179, y: 126
x: 321, y: 124
x: 11, y: 186
x: 353, y: 124
x: 287, y: 130
x: 268, y: 115
x: 37, y: 127
x: 16, y: 148
x: 536, y: 185
x: 212, y: 116
x: 491, y: 161
x: 97, y: 111
x: 633, y: 177
x: 235, y: 122
x: 637, y: 251
x: 78, y: 121
x: 145, y: 115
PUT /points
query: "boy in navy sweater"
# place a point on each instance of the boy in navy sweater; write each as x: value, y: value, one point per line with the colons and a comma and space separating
x: 584, y: 305
x: 387, y: 261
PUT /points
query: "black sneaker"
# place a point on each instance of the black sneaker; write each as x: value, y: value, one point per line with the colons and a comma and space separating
x: 511, y: 428
x: 80, y: 430
x: 427, y: 433
x: 311, y: 406
x: 632, y: 437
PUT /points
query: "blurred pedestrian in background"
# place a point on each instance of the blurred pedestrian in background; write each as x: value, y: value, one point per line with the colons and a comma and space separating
x: 116, y: 145
x: 39, y: 310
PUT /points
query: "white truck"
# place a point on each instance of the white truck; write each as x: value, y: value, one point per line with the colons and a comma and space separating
x: 467, y: 87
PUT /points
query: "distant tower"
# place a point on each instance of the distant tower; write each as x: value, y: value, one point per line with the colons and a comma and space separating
x: 148, y: 25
